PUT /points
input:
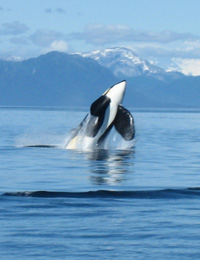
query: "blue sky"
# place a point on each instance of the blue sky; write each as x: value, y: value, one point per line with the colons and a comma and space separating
x: 166, y: 33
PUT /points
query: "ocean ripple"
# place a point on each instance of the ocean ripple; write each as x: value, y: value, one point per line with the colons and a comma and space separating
x: 139, y: 194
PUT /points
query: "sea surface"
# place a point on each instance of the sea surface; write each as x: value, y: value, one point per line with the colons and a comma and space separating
x: 117, y: 203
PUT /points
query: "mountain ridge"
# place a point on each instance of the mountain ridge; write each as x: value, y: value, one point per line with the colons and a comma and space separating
x: 118, y: 58
x: 61, y: 79
x: 123, y: 62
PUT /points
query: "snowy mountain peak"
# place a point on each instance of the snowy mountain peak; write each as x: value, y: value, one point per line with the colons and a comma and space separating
x: 123, y: 62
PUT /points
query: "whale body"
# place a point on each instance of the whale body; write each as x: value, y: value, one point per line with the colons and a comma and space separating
x: 105, y: 113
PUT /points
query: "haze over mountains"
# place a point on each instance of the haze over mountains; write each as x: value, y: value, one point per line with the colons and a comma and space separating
x: 60, y: 79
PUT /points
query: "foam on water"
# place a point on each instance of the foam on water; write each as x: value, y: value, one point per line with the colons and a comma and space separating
x: 40, y: 138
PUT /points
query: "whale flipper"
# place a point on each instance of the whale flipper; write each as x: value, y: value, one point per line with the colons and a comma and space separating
x: 124, y: 123
x: 99, y: 106
x: 97, y: 111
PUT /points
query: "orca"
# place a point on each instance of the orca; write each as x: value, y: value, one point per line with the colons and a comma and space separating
x: 105, y: 113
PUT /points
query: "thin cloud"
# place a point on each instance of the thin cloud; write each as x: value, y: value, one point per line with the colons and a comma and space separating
x: 60, y: 45
x: 44, y: 38
x: 55, y: 10
x: 164, y: 51
x: 4, y: 10
x: 14, y: 28
x: 19, y: 40
x: 48, y: 10
x: 60, y: 10
x: 106, y: 34
x: 188, y: 66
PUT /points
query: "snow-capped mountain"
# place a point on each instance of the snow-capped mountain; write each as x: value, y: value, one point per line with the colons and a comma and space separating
x: 11, y: 58
x: 124, y: 62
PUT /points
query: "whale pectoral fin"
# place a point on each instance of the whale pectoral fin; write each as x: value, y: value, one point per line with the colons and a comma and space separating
x: 99, y: 106
x: 97, y: 111
x: 124, y: 123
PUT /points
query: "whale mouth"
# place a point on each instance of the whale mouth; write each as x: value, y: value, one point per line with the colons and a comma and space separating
x: 106, y: 92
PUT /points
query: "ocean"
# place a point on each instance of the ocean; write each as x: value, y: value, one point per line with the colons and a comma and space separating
x: 117, y: 203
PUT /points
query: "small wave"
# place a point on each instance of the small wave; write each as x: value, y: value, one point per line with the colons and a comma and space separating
x: 41, y: 146
x: 143, y: 194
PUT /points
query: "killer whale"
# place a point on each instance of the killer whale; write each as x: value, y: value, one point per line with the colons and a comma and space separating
x: 105, y: 113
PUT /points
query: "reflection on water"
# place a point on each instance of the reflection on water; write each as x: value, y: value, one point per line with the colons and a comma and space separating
x: 110, y: 166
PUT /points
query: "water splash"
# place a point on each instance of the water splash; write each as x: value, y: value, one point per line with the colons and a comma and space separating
x: 79, y: 138
x: 39, y: 139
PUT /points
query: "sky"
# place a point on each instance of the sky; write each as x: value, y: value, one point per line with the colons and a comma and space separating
x: 167, y: 33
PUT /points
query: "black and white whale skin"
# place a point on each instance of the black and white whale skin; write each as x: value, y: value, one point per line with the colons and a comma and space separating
x: 105, y: 112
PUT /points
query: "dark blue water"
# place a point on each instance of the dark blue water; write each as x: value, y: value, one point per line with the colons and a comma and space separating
x: 140, y: 203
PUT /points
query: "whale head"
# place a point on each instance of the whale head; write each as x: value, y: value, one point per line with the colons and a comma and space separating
x: 116, y: 93
x: 109, y: 102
